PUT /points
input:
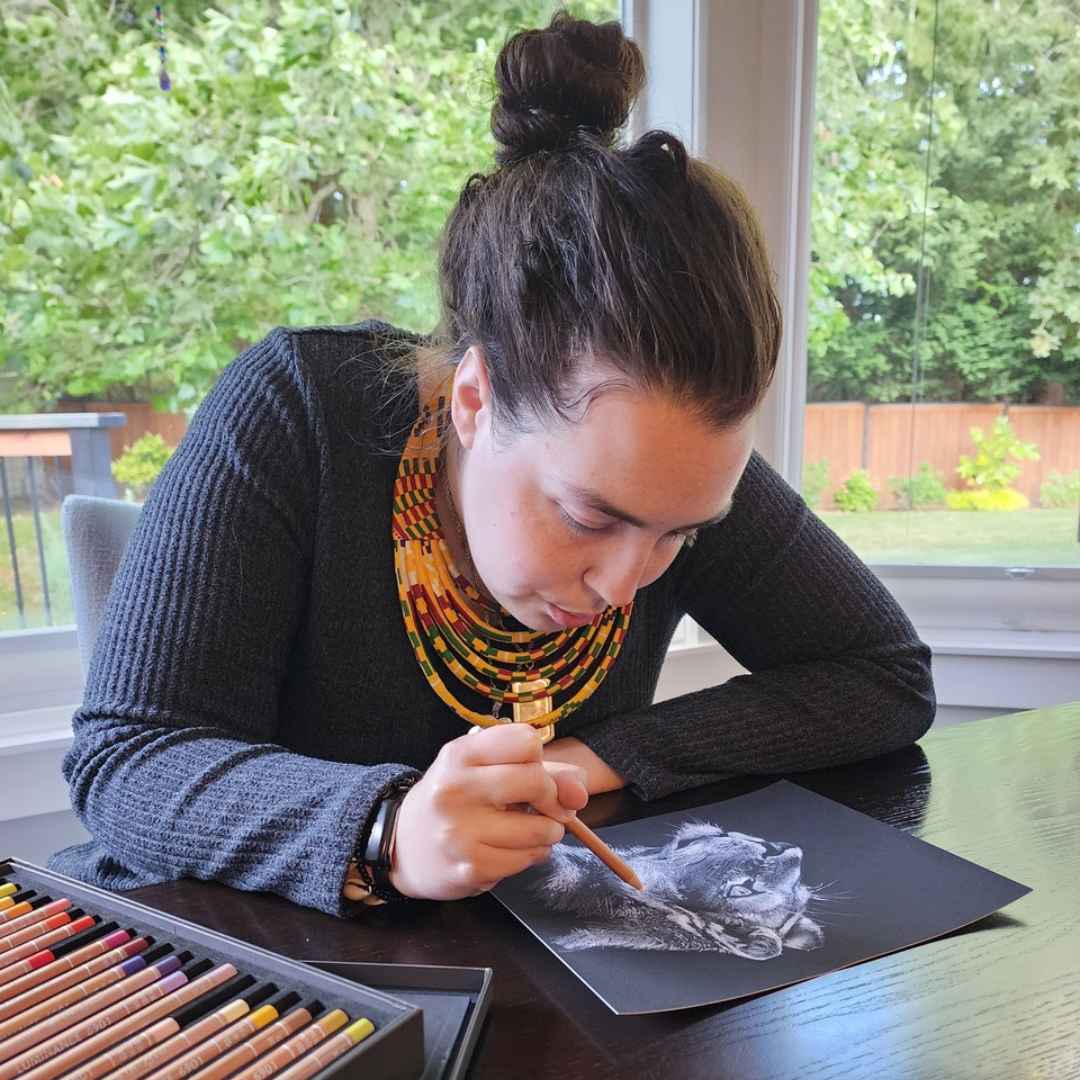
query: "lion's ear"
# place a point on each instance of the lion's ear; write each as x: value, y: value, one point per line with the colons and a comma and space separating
x: 804, y: 934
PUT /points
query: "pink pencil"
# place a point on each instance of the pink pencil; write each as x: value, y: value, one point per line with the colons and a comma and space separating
x: 50, y: 1027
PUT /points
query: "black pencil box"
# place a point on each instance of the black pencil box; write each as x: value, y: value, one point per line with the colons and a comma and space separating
x: 395, y: 1051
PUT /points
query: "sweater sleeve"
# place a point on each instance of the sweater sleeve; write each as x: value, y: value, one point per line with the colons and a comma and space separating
x: 179, y: 766
x: 837, y: 672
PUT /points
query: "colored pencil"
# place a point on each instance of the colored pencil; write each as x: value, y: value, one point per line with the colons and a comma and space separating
x: 285, y: 1054
x: 36, y: 915
x: 50, y: 1004
x: 212, y: 1048
x: 11, y: 962
x: 46, y: 1024
x: 328, y: 1050
x: 56, y: 975
x: 608, y: 857
x: 37, y: 930
x: 94, y: 1035
x: 184, y: 1040
x: 8, y: 888
x: 257, y: 1045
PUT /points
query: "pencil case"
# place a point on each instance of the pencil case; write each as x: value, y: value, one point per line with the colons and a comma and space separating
x: 394, y: 1051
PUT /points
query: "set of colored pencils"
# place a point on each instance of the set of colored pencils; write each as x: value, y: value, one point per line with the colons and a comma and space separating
x: 84, y: 998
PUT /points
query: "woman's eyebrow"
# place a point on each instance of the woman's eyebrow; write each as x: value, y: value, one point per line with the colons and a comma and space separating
x: 597, y: 502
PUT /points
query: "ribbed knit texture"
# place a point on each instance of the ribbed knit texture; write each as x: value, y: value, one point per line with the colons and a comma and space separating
x: 252, y: 690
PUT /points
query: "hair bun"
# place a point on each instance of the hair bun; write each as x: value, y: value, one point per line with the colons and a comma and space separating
x: 553, y: 84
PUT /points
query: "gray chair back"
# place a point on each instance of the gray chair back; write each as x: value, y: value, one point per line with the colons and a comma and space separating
x: 96, y: 531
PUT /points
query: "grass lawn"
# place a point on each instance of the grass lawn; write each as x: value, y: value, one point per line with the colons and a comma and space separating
x: 30, y: 574
x: 1019, y: 538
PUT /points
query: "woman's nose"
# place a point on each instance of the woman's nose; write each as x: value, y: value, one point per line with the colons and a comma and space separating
x: 617, y: 575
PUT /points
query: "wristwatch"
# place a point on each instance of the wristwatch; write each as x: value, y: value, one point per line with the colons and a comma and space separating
x: 374, y: 854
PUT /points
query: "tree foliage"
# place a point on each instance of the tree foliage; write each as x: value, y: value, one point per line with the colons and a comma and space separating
x: 946, y: 201
x: 298, y: 172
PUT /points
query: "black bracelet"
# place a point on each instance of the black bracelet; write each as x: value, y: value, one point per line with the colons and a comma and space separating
x: 374, y: 852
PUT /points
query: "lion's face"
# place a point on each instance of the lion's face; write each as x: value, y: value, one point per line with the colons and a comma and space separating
x: 745, y: 880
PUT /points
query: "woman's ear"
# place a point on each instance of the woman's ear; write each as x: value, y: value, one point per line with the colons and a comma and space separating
x: 470, y: 398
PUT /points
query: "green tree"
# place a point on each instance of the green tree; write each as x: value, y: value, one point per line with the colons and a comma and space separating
x: 995, y: 257
x: 298, y: 171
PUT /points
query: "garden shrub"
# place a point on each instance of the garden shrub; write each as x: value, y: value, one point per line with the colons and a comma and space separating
x: 138, y: 466
x: 858, y: 493
x: 924, y: 487
x: 981, y: 499
x: 990, y: 469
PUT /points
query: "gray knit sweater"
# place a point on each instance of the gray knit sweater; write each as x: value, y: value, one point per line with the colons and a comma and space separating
x: 252, y: 690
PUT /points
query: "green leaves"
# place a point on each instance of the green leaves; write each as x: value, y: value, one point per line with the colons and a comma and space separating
x: 996, y: 242
x: 298, y: 172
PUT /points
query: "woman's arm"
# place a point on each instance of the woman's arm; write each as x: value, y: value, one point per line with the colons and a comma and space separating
x: 178, y: 767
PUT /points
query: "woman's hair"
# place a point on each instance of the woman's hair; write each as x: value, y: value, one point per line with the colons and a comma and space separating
x: 575, y: 248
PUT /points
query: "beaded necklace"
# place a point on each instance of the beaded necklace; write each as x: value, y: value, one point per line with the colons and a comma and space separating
x: 543, y: 676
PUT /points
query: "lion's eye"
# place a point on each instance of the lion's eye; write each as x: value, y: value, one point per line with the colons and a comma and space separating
x: 740, y: 888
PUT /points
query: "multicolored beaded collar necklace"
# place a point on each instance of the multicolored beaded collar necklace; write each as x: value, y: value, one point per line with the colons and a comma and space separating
x: 543, y: 676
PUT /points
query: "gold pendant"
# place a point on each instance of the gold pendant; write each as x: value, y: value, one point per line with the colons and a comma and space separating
x: 529, y: 712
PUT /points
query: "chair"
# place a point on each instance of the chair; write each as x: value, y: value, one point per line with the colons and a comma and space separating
x: 96, y: 531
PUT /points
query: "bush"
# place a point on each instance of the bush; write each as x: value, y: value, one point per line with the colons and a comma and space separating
x: 1060, y: 491
x: 990, y: 469
x: 986, y: 500
x: 858, y: 493
x: 924, y: 487
x: 815, y: 476
x: 138, y: 466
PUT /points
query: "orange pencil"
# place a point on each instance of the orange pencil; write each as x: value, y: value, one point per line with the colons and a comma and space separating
x: 93, y: 1037
x: 64, y: 971
x: 328, y: 1050
x: 35, y: 915
x: 256, y: 1045
x: 189, y: 1037
x: 608, y: 857
x: 211, y: 1049
x: 51, y: 1027
x: 304, y: 1040
x: 18, y: 938
x: 11, y: 909
x: 11, y: 966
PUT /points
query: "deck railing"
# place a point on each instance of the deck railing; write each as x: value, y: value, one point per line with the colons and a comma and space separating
x: 43, y: 457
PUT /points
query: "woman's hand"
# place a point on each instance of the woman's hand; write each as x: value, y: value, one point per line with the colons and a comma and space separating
x: 599, y: 775
x: 468, y: 824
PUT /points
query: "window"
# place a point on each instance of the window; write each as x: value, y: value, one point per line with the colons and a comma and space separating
x: 942, y: 422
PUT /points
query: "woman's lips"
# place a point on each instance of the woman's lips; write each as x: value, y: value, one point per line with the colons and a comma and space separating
x: 568, y: 620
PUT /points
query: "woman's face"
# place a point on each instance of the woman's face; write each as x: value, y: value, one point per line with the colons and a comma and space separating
x: 562, y: 524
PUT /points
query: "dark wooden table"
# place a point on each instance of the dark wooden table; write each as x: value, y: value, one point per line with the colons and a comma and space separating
x: 999, y: 1000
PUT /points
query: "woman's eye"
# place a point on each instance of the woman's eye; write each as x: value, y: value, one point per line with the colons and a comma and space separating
x: 579, y: 526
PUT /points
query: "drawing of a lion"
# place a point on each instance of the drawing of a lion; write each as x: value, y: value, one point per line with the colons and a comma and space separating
x: 705, y: 890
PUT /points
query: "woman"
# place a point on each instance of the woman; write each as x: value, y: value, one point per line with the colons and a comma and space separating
x: 370, y: 542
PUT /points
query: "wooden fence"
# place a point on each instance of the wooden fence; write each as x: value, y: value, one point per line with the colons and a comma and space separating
x: 893, y: 440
